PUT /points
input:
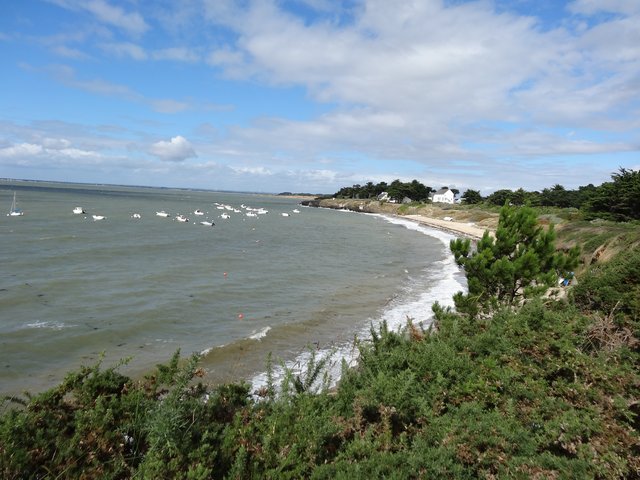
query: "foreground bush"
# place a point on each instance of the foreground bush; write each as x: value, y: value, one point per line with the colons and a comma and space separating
x: 522, y: 395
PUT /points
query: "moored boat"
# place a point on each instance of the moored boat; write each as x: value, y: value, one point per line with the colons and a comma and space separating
x: 14, y: 211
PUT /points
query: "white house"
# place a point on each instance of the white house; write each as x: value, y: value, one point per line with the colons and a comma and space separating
x: 444, y: 195
x: 384, y: 197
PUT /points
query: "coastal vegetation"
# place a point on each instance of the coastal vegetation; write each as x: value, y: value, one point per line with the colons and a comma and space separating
x: 518, y: 262
x: 511, y: 384
x: 617, y: 200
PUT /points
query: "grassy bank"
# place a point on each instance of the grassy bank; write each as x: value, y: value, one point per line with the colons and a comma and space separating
x: 549, y: 390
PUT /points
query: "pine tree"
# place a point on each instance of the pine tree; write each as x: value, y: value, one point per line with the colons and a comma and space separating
x: 520, y: 262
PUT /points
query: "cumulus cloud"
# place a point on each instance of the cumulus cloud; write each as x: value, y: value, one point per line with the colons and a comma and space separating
x: 432, y: 82
x: 21, y: 150
x: 177, y: 149
x: 52, y: 150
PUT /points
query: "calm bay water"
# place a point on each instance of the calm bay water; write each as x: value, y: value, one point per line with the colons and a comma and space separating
x: 73, y: 289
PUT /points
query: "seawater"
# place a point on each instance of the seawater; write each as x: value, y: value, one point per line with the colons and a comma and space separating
x: 75, y: 291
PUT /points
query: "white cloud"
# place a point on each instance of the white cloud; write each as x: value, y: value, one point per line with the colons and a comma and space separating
x: 21, y: 150
x: 426, y: 83
x: 256, y: 171
x: 169, y: 106
x: 53, y: 151
x: 113, y: 15
x: 178, y: 54
x: 56, y: 143
x: 125, y: 50
x: 69, y: 52
x: 177, y: 149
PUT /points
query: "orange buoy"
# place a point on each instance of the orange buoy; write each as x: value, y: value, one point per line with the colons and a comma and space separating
x: 240, y: 316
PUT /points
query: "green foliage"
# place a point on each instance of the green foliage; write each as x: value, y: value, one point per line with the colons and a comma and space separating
x: 613, y: 287
x: 506, y: 196
x: 396, y: 190
x: 617, y: 200
x: 100, y: 424
x: 472, y: 197
x: 520, y: 262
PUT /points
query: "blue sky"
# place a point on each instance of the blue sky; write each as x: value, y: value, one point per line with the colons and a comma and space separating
x: 314, y: 95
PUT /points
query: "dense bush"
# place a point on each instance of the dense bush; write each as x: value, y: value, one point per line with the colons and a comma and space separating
x: 612, y: 287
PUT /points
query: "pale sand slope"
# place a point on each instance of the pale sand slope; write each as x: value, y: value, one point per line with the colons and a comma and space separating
x: 464, y: 229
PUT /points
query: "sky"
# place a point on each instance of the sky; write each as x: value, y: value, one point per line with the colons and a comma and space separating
x: 314, y: 95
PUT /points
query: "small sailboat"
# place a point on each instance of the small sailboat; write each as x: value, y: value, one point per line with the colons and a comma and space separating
x: 182, y: 218
x: 162, y: 213
x: 78, y: 211
x: 15, y: 211
x: 98, y: 217
x: 207, y: 223
x: 197, y: 211
x: 136, y: 216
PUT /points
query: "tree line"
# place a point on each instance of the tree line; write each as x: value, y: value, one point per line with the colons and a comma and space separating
x: 396, y: 191
x: 617, y: 200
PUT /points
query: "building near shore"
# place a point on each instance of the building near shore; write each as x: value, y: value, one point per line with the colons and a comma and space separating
x: 444, y: 195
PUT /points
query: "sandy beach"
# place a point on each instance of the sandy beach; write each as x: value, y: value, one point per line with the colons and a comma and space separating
x: 452, y: 219
x: 459, y: 228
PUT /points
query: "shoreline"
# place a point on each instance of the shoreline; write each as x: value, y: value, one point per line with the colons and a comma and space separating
x: 450, y: 226
x: 447, y: 218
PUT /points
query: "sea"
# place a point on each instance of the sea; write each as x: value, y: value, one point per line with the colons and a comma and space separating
x: 269, y: 279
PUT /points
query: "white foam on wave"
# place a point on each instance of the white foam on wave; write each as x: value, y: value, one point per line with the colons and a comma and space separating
x: 438, y: 284
x: 255, y: 335
x: 48, y: 325
x: 261, y: 334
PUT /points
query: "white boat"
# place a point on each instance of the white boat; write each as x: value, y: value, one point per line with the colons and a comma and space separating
x: 79, y: 210
x: 284, y: 214
x: 197, y: 211
x: 251, y: 214
x: 15, y: 211
x: 295, y: 210
x: 136, y: 215
x: 208, y: 224
x: 162, y: 213
x: 98, y: 217
x: 225, y: 216
x: 182, y: 218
